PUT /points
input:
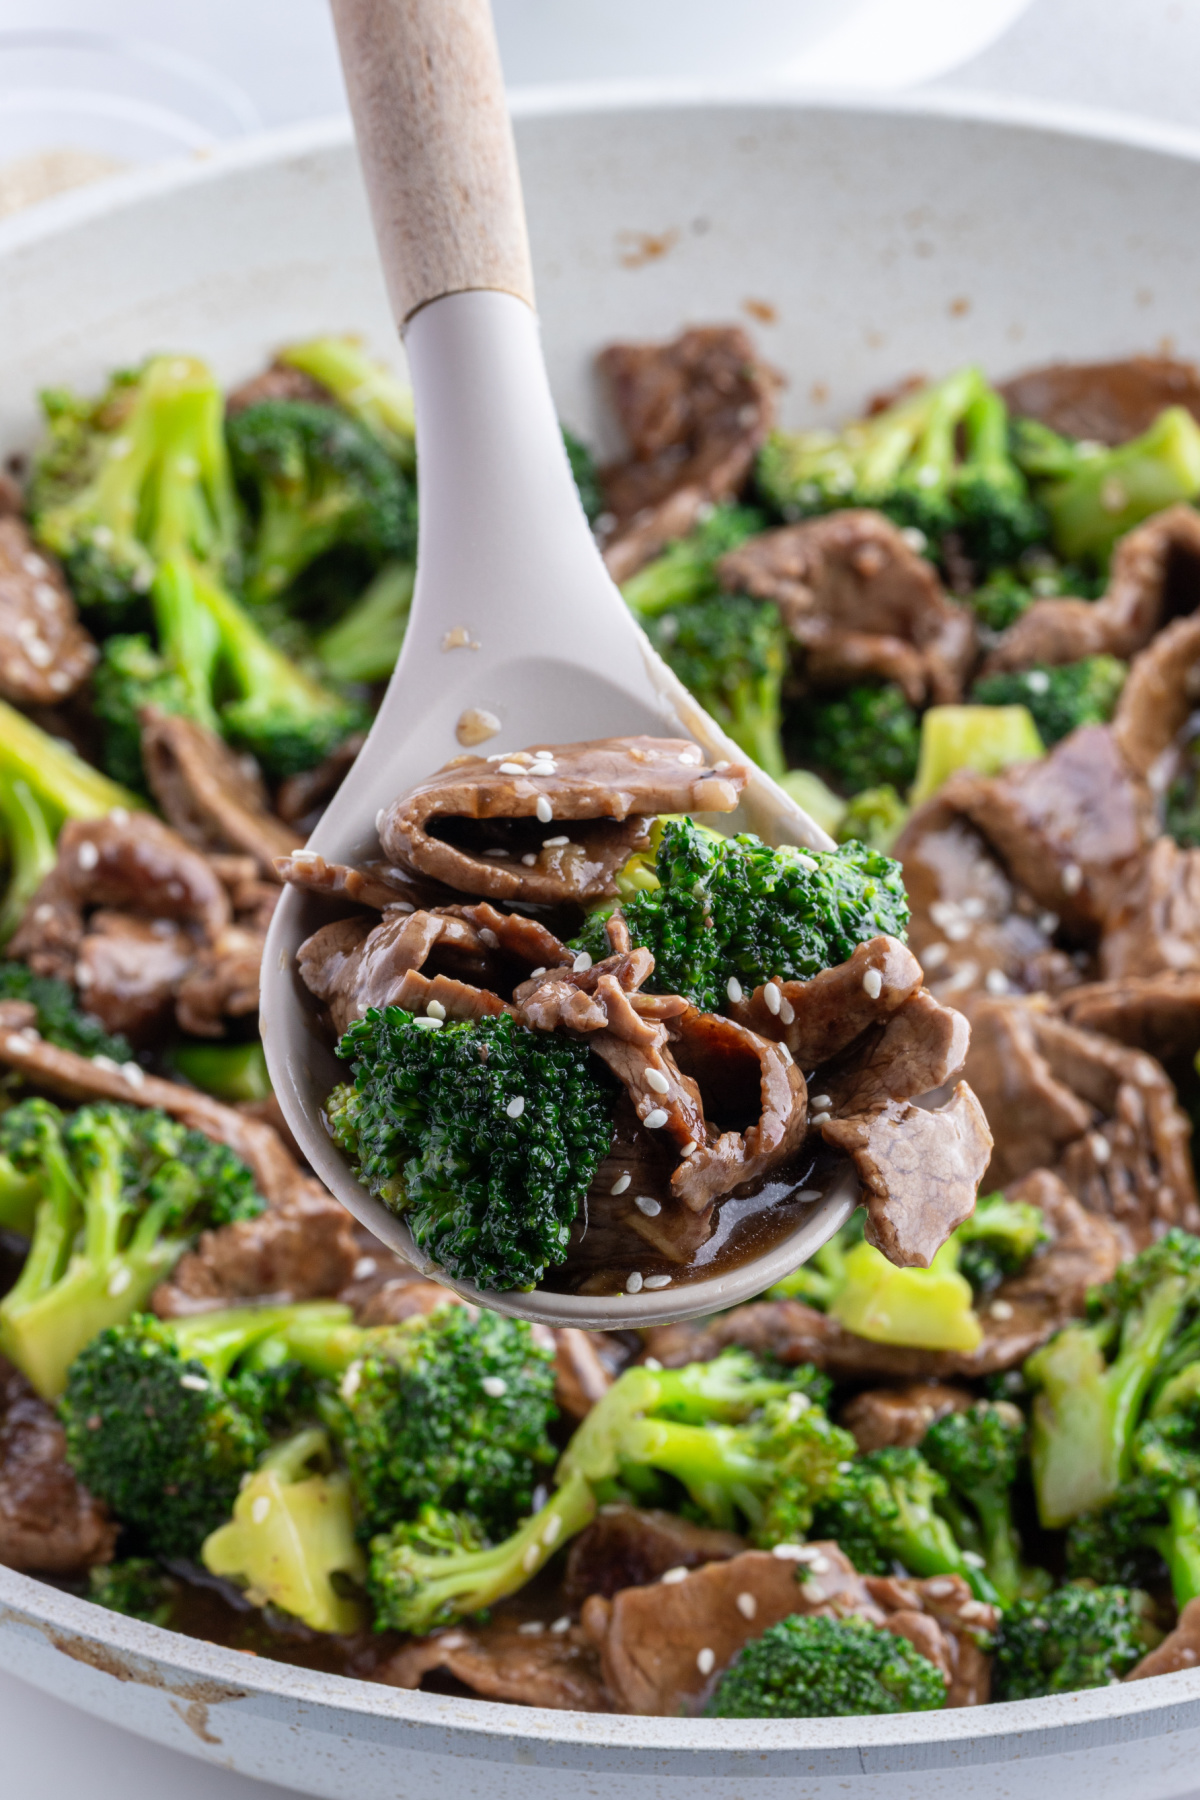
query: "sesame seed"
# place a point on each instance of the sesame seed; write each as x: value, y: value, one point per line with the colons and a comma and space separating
x: 812, y: 1591
x: 120, y: 1279
x: 689, y: 1149
x: 87, y: 856
x: 654, y: 1121
x: 552, y: 1531
x: 873, y: 984
x: 934, y: 955
x: 555, y: 843
x: 495, y: 853
x: 621, y: 1183
x: 529, y: 858
x: 259, y: 1508
x: 531, y: 1627
x: 134, y: 1074
x: 996, y: 981
x: 772, y: 997
x: 1048, y: 922
x: 733, y: 988
x: 196, y: 1383
x: 488, y: 937
x: 366, y: 1265
x: 939, y: 1587
x: 1000, y: 1309
x: 429, y: 1024
x: 646, y: 1203
x: 706, y: 1661
x: 678, y: 1573
x: 787, y: 1011
x: 1100, y: 1147
x: 633, y: 1283
x: 790, y: 1552
x: 747, y: 1605
x: 582, y: 963
x: 511, y: 768
x: 536, y: 974
x: 380, y: 816
x: 652, y: 1363
x: 561, y: 1625
x: 516, y: 1106
x: 820, y: 1103
x: 1072, y: 878
x: 436, y: 1010
x: 657, y: 1081
x: 494, y: 1386
x: 349, y: 1384
x: 973, y: 907
x: 658, y: 1281
x: 531, y: 1558
x: 545, y: 811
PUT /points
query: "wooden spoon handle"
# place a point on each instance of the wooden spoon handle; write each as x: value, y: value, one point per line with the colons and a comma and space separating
x: 427, y: 96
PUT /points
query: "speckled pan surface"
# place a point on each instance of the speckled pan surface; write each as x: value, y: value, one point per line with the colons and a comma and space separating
x: 867, y: 242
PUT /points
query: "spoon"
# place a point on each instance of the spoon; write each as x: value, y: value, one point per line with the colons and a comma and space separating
x: 517, y: 633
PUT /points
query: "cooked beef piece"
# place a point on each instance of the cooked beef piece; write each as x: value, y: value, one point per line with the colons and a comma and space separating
x: 128, y: 971
x: 376, y: 884
x: 613, y: 1231
x: 820, y: 1018
x: 1160, y: 1013
x: 880, y: 1417
x: 276, y: 382
x: 755, y: 1102
x: 354, y: 964
x: 1153, y: 924
x: 1023, y: 1312
x: 303, y: 1250
x: 129, y: 862
x: 1180, y: 1649
x: 1106, y: 403
x: 383, y: 1289
x: 580, y: 1378
x: 694, y: 413
x: 222, y: 983
x: 943, y: 1620
x: 918, y: 1050
x: 475, y: 824
x: 1155, y: 577
x: 624, y: 1547
x: 527, y: 1664
x: 49, y: 1524
x: 971, y: 927
x: 1160, y: 695
x: 861, y: 601
x: 213, y: 797
x: 45, y: 653
x: 919, y: 1170
x: 302, y: 798
x: 1105, y: 1117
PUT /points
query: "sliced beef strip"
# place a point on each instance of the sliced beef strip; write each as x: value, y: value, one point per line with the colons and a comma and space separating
x: 1153, y: 923
x: 580, y: 1378
x: 919, y: 1168
x: 820, y: 1018
x: 1106, y: 403
x: 600, y: 793
x: 384, y: 1290
x: 1161, y: 693
x: 1024, y: 1311
x: 626, y: 1547
x: 302, y: 798
x: 528, y: 1664
x: 129, y: 862
x: 355, y: 964
x: 49, y: 1524
x: 222, y: 983
x: 943, y: 1620
x: 1155, y: 577
x: 45, y: 653
x: 694, y: 412
x: 305, y: 1250
x: 279, y: 381
x: 880, y: 1418
x: 376, y: 884
x: 861, y: 601
x: 128, y: 971
x: 213, y: 797
x: 921, y: 1047
x: 1160, y: 1013
x: 1180, y: 1649
x: 614, y: 1232
x: 742, y: 1078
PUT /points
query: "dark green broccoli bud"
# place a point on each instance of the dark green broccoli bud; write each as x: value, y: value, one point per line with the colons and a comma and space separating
x: 138, y: 1587
x: 449, y: 1410
x: 365, y: 643
x: 583, y: 470
x: 1077, y: 1637
x: 1093, y: 1378
x: 1156, y: 1516
x: 978, y: 1453
x: 125, y: 1192
x: 59, y: 1019
x: 315, y: 481
x: 1000, y: 601
x: 998, y: 1240
x: 130, y: 675
x: 861, y: 739
x: 687, y: 570
x: 733, y: 909
x: 997, y: 519
x: 1094, y: 495
x: 364, y: 388
x: 817, y: 1668
x: 483, y: 1135
x: 883, y: 1509
x: 874, y: 817
x: 731, y: 653
x: 1060, y: 698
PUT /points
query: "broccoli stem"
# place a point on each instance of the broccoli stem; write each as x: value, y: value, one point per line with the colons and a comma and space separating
x: 713, y: 1462
x: 65, y: 785
x: 367, y: 390
x: 1001, y: 1548
x: 230, y: 1072
x: 31, y: 853
x: 364, y: 645
x: 187, y: 636
x: 187, y: 504
x: 1110, y: 493
x: 1178, y: 1543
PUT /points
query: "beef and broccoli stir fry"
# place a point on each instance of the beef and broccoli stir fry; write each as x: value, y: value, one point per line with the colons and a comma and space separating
x: 590, y: 1041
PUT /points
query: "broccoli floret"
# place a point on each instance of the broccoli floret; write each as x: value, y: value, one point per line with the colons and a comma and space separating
x: 1076, y: 1637
x: 978, y: 1453
x: 140, y: 475
x: 124, y: 1194
x: 1094, y: 495
x: 862, y: 739
x: 364, y: 388
x: 59, y: 1019
x: 162, y: 1426
x: 130, y: 675
x: 817, y: 1668
x: 687, y: 570
x: 883, y: 1508
x: 996, y: 518
x: 1062, y: 698
x: 875, y: 817
x: 483, y: 1135
x: 291, y: 1541
x: 1000, y: 601
x: 998, y: 1240
x: 1093, y: 1378
x: 733, y: 909
x: 731, y: 653
x: 138, y: 1587
x: 931, y: 1308
x: 1157, y: 1512
x: 365, y: 643
x: 315, y: 480
x: 583, y: 470
x: 984, y: 738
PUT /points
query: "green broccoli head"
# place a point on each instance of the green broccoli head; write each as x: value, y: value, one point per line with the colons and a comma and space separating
x: 1155, y: 1518
x: 687, y: 569
x: 997, y: 519
x: 59, y: 1019
x: 449, y: 1411
x: 865, y: 738
x: 1060, y: 698
x: 734, y: 910
x: 583, y: 469
x: 1094, y: 494
x: 874, y: 817
x: 978, y: 1452
x: 731, y: 653
x: 483, y: 1135
x: 818, y: 1668
x: 998, y: 1240
x: 1077, y: 1637
x: 137, y: 1587
x: 883, y: 1510
x: 316, y: 481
